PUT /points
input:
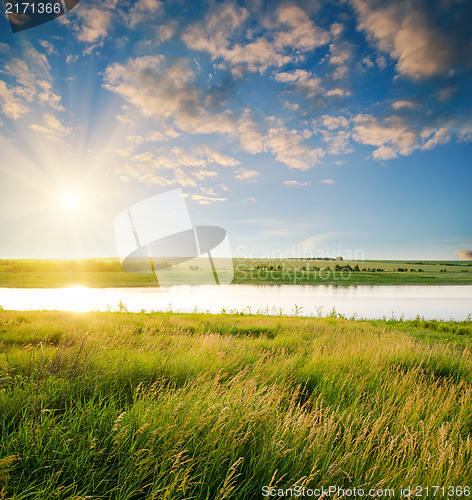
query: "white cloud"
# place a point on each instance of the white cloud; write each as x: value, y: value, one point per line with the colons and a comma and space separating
x: 297, y: 183
x: 403, y: 104
x: 288, y: 35
x: 327, y: 181
x: 338, y: 142
x: 152, y: 136
x: 143, y: 10
x: 93, y: 24
x: 216, y: 157
x: 303, y: 81
x: 166, y: 31
x: 441, y: 136
x: 336, y: 29
x: 392, y: 137
x: 166, y: 91
x: 30, y: 83
x: 47, y: 95
x: 395, y: 136
x: 10, y: 105
x: 340, y: 53
x: 52, y: 128
x: 173, y: 165
x: 206, y: 200
x: 247, y: 175
x: 445, y: 93
x: 404, y: 30
x: 169, y: 93
x: 337, y: 92
x: 309, y: 84
x: 334, y: 122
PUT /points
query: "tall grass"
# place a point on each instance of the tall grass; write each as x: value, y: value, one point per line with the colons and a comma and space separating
x: 133, y: 406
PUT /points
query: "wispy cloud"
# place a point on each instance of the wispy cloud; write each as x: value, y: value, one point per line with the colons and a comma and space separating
x: 297, y: 183
x: 93, y: 24
x: 52, y: 128
x: 465, y: 254
x: 27, y: 82
x: 397, y: 27
x: 289, y: 33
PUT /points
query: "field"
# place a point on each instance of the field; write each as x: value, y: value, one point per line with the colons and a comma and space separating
x: 44, y: 273
x: 196, y: 406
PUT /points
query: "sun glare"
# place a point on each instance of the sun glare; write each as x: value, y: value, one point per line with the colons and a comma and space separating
x: 71, y: 201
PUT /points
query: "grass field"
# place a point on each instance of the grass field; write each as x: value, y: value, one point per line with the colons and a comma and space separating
x: 197, y: 406
x: 104, y: 273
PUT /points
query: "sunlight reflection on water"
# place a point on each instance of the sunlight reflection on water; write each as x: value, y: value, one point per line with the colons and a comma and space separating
x: 430, y: 302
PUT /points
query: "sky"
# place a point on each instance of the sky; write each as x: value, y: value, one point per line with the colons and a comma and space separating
x: 303, y: 128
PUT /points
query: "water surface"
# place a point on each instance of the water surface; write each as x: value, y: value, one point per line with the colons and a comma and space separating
x: 430, y: 302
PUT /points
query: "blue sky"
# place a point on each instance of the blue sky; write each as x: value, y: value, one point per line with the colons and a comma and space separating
x: 304, y: 128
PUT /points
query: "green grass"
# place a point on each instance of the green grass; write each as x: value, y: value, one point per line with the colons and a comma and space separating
x: 179, y: 406
x: 106, y: 273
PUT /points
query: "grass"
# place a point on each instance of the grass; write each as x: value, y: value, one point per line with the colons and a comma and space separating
x: 198, y: 406
x: 106, y: 273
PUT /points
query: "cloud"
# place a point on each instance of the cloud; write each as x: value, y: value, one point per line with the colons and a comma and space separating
x: 206, y: 200
x: 143, y: 10
x: 395, y: 135
x: 168, y: 91
x: 440, y: 136
x: 288, y: 35
x: 10, y: 105
x: 52, y: 128
x: 169, y: 165
x: 415, y: 34
x: 309, y: 84
x: 338, y: 142
x: 288, y: 148
x: 327, y: 181
x: 297, y: 183
x: 392, y: 137
x: 213, y: 156
x: 340, y: 53
x: 302, y: 80
x: 403, y: 104
x: 247, y: 175
x: 313, y: 242
x: 27, y: 82
x: 337, y: 92
x: 334, y: 122
x: 152, y: 136
x: 465, y: 132
x: 93, y: 24
x: 48, y: 46
x: 464, y: 254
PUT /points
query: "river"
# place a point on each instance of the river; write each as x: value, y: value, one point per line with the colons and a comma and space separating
x: 370, y: 302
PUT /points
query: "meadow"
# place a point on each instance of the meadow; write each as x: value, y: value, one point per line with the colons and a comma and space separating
x: 195, y: 406
x: 105, y: 273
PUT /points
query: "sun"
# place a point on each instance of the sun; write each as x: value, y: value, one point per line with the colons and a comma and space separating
x: 71, y: 201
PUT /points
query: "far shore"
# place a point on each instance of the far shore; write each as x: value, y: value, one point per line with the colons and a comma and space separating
x: 107, y: 273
